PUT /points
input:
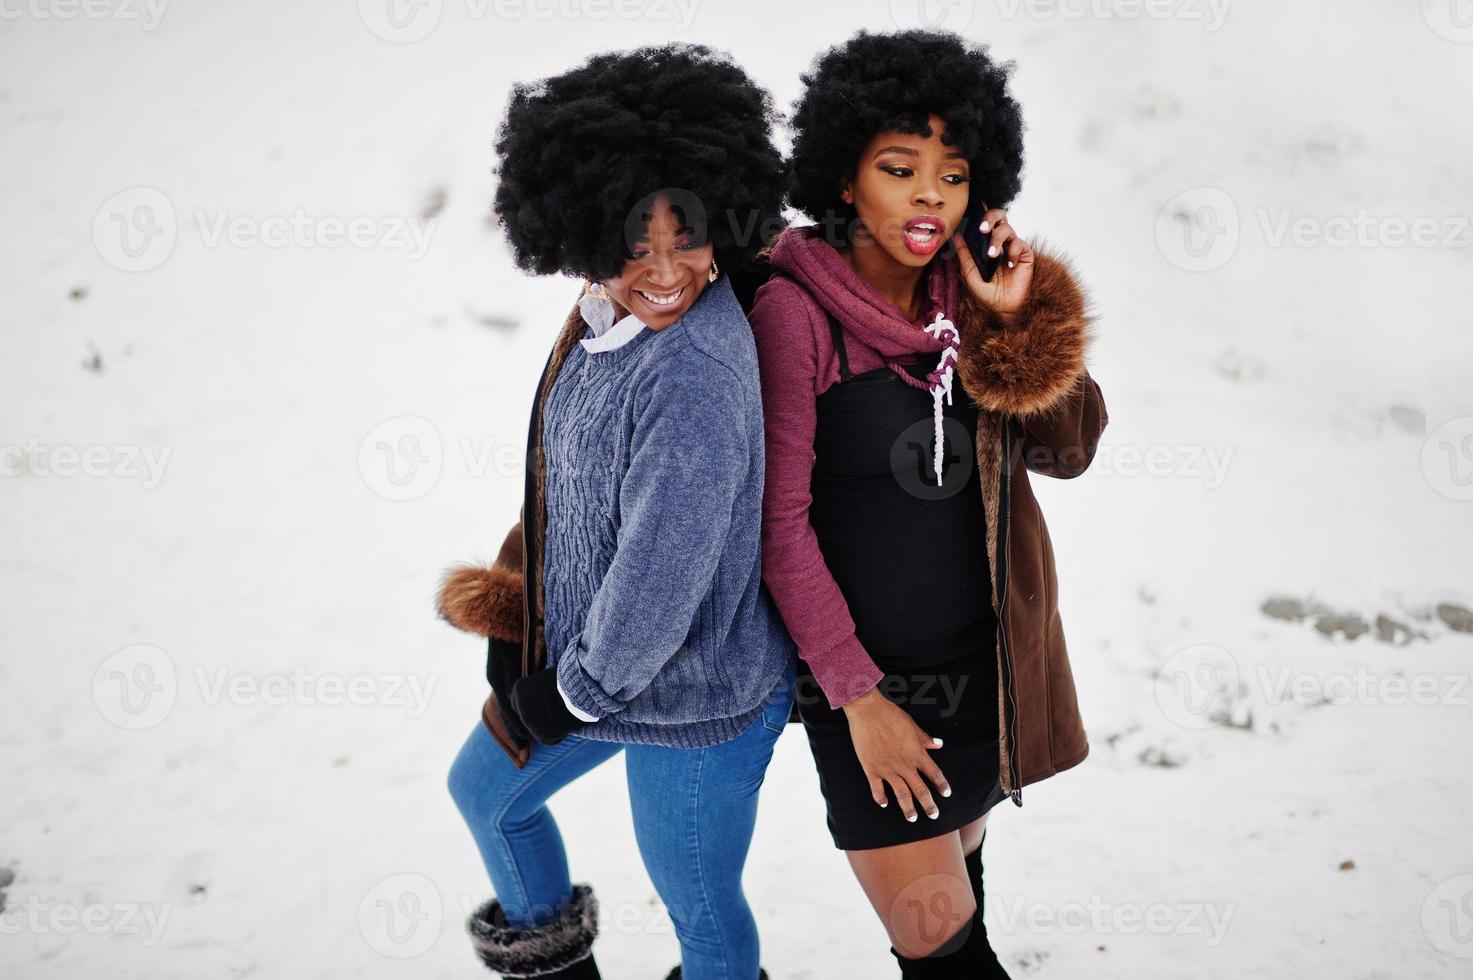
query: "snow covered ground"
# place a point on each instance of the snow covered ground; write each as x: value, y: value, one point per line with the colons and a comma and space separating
x: 266, y: 372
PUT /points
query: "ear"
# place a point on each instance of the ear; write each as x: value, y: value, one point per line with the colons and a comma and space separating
x: 846, y: 191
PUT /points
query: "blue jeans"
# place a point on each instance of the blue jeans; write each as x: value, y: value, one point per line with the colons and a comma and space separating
x: 694, y: 812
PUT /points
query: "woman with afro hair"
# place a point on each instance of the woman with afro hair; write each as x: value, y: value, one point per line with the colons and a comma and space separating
x: 626, y: 610
x: 901, y: 541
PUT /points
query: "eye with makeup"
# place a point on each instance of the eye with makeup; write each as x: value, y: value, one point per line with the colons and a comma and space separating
x: 897, y: 170
x: 685, y: 243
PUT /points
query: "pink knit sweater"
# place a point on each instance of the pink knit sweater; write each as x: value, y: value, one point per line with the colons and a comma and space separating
x: 798, y: 362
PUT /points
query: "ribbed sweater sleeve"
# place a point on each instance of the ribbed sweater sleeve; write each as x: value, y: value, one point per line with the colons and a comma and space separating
x: 793, y: 568
x: 688, y: 458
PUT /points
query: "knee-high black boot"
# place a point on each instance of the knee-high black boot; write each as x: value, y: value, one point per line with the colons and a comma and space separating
x: 968, y: 953
x: 558, y: 950
x: 965, y: 956
x: 974, y: 878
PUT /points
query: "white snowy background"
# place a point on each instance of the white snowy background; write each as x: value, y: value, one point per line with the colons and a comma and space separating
x: 235, y: 463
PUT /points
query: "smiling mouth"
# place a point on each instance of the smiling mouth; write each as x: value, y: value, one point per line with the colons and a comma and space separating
x: 661, y: 300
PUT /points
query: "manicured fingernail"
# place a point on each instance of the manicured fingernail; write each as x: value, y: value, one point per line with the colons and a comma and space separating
x: 911, y: 817
x: 937, y: 741
x: 946, y: 791
x: 885, y: 804
x: 992, y: 251
x: 1010, y: 265
x: 985, y: 225
x: 934, y: 814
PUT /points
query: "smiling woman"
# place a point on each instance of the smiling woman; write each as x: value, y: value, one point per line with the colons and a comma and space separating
x: 627, y: 612
x: 667, y: 268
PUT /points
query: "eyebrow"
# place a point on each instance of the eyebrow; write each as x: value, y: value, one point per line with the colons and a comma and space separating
x: 912, y: 152
x: 682, y: 230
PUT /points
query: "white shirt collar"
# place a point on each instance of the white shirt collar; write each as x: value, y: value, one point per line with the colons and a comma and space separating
x: 607, y: 335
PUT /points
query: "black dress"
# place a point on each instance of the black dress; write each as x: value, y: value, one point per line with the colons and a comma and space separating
x: 910, y: 557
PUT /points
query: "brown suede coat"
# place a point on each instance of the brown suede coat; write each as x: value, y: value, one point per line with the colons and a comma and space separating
x: 1041, y: 412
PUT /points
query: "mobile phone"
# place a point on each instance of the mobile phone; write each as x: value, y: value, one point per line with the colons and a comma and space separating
x: 979, y: 241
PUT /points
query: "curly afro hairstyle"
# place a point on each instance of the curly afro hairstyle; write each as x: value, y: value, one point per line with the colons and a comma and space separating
x: 878, y: 82
x: 581, y: 154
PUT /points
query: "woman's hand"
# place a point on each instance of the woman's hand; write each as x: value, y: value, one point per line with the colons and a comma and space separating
x: 1005, y: 294
x: 893, y: 749
x: 541, y: 707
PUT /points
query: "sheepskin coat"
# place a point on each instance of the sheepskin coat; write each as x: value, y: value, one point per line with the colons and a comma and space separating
x: 1040, y: 412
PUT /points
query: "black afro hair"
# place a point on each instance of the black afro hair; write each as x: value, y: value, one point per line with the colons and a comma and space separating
x: 581, y: 153
x: 878, y: 82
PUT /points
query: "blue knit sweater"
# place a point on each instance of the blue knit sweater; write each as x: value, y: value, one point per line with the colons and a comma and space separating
x: 656, y: 616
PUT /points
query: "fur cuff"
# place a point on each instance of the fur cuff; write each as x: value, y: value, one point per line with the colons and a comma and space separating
x: 1030, y: 369
x: 486, y: 601
x: 547, y: 949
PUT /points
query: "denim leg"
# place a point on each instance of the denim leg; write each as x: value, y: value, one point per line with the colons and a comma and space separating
x: 506, y: 810
x: 694, y: 813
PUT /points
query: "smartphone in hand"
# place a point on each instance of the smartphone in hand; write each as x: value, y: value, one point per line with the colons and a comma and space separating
x: 979, y: 241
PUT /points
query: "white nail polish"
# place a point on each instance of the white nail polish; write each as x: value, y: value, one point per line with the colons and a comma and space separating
x: 984, y: 225
x: 992, y: 251
x: 911, y: 818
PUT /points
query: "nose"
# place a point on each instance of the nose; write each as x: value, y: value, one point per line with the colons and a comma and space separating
x: 663, y: 270
x: 928, y: 192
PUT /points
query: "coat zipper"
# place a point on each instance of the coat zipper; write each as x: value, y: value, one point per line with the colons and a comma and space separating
x: 1010, y: 704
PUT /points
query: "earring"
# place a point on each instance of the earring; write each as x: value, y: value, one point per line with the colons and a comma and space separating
x: 715, y: 272
x: 597, y: 290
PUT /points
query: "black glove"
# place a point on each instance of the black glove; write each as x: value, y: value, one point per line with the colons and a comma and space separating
x: 542, y: 709
x: 503, y: 667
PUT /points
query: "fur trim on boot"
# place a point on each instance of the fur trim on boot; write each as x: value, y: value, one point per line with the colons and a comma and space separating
x: 486, y: 601
x: 546, y: 951
x: 1028, y: 369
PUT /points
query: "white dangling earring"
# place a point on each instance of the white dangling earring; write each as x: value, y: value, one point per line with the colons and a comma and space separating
x: 597, y: 308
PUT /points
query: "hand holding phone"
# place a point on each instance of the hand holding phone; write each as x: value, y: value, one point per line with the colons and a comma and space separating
x: 978, y: 241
